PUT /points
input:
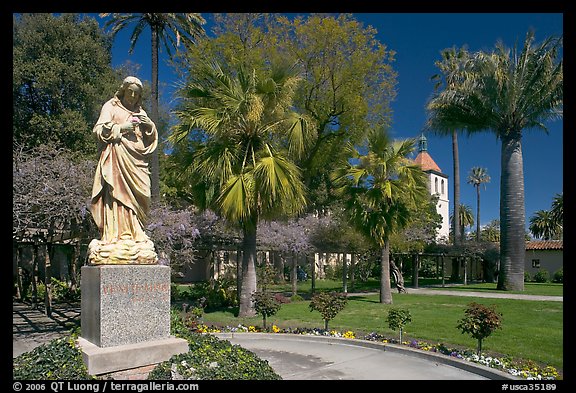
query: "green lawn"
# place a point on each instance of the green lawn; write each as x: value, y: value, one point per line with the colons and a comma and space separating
x: 530, y: 329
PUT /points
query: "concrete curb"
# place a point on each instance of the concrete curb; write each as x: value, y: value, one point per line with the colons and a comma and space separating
x: 465, y: 365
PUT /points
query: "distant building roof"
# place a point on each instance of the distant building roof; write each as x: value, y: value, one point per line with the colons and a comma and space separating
x: 423, y: 158
x: 545, y: 245
x: 426, y: 162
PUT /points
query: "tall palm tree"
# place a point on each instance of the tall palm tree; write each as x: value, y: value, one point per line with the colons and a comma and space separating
x: 507, y: 92
x: 244, y: 162
x: 168, y: 29
x: 452, y: 72
x: 380, y: 189
x: 477, y: 177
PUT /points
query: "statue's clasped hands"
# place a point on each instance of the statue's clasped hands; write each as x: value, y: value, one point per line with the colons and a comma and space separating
x: 135, y: 120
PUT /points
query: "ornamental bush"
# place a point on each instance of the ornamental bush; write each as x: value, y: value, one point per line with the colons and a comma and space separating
x: 398, y: 318
x: 328, y: 304
x: 265, y: 304
x: 541, y: 276
x: 480, y: 321
x: 559, y: 276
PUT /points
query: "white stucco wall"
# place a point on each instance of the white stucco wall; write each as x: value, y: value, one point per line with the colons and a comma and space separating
x: 551, y: 260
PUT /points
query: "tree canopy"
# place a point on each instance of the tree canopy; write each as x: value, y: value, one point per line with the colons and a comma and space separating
x: 61, y: 77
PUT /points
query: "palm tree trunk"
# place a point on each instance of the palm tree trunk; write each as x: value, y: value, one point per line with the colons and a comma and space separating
x: 385, y: 291
x: 478, y: 213
x: 512, y: 215
x: 456, y: 168
x: 248, y: 286
x: 154, y: 161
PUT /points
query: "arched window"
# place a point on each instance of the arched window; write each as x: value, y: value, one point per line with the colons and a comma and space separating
x: 442, y: 186
x: 436, y: 185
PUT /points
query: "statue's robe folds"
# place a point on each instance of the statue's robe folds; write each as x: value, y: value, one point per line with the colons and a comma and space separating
x: 121, y: 190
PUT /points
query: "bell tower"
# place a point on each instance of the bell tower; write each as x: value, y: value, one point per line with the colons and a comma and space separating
x: 437, y: 184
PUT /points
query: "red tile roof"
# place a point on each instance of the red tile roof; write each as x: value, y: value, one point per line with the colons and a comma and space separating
x: 426, y: 162
x: 545, y: 245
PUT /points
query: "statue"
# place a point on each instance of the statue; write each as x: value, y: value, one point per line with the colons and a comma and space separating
x: 121, y: 192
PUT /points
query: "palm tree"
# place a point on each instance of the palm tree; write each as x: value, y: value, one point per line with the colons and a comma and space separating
x: 466, y: 220
x: 507, y: 91
x: 452, y: 68
x: 166, y: 28
x: 543, y: 225
x: 548, y: 224
x: 491, y: 232
x: 380, y: 190
x: 558, y: 212
x: 476, y: 177
x: 244, y: 162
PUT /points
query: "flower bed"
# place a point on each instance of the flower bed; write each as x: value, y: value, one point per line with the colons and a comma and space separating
x: 526, y: 369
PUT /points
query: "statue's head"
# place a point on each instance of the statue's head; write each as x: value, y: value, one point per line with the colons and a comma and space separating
x: 130, y: 93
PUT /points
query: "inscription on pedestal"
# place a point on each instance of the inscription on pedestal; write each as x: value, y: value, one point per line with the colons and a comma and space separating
x: 125, y: 304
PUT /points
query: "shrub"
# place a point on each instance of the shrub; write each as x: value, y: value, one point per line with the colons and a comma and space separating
x: 60, y: 358
x: 280, y: 298
x: 527, y: 277
x: 222, y: 293
x: 210, y: 358
x: 296, y: 298
x: 559, y: 276
x: 541, y: 275
x: 265, y: 304
x: 480, y: 321
x: 398, y: 318
x: 61, y: 291
x: 328, y: 304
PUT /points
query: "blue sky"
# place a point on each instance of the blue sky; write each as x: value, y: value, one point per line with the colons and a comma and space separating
x: 418, y: 39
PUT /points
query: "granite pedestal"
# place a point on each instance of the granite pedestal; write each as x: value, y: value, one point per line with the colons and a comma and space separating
x: 125, y: 317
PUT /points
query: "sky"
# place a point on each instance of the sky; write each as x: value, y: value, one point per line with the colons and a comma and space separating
x: 418, y: 39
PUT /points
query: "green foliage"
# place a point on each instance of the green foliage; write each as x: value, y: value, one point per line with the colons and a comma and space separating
x: 220, y: 294
x: 397, y: 318
x: 61, y: 76
x: 558, y: 276
x: 210, y: 358
x: 480, y: 321
x: 428, y: 268
x: 61, y: 291
x: 59, y: 359
x: 296, y: 298
x: 265, y: 304
x: 542, y: 275
x: 265, y: 275
x: 328, y: 304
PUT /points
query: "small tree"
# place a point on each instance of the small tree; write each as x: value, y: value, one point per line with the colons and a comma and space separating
x: 480, y: 321
x: 265, y: 304
x: 398, y: 318
x: 328, y: 304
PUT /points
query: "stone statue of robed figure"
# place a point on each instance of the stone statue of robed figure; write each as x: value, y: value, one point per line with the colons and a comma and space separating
x: 121, y: 192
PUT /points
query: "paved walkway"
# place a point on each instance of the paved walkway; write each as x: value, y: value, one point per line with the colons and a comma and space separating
x: 303, y: 357
x: 31, y: 327
x: 496, y: 295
